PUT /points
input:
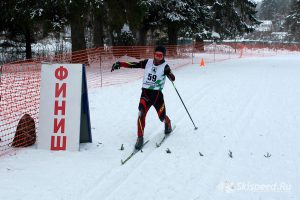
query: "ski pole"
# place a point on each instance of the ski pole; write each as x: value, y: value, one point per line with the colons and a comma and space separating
x: 184, y: 106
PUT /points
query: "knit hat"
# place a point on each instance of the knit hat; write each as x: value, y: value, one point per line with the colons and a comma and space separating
x: 160, y: 49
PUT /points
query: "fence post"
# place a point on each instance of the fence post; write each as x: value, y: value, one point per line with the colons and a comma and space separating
x: 214, y: 51
x: 193, y: 48
x: 100, y: 67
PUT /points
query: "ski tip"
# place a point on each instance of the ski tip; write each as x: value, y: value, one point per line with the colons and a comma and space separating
x: 157, y: 145
x: 196, y: 128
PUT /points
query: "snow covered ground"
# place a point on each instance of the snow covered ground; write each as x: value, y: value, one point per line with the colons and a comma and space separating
x: 248, y: 115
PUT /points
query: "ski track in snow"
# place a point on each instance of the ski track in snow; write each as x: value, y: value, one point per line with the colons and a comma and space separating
x: 247, y: 106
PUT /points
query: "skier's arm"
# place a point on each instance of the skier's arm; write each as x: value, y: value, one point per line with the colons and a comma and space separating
x: 141, y: 64
x: 168, y: 73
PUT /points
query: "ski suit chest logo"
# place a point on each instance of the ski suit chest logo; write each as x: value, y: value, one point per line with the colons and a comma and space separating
x: 153, y: 70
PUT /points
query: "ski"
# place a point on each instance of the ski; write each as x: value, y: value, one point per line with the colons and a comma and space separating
x: 165, y: 137
x: 133, y: 153
x: 157, y: 145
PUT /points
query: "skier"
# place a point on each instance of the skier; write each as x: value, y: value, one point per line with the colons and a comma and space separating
x: 155, y: 74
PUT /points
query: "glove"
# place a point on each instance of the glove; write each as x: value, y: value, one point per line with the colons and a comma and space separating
x: 115, y: 66
x: 171, y: 77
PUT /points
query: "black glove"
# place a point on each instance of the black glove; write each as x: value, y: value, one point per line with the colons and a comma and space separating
x: 115, y: 66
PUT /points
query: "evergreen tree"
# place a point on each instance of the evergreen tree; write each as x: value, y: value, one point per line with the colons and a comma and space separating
x: 20, y: 20
x: 293, y: 19
x: 268, y: 9
x: 116, y: 18
x: 135, y: 17
x: 29, y: 21
x: 184, y: 17
x: 276, y: 11
x: 271, y: 9
x: 54, y: 17
x: 284, y: 7
x: 233, y: 17
x: 76, y: 13
x: 98, y: 13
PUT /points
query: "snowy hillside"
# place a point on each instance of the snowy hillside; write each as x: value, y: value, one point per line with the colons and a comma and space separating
x: 246, y: 146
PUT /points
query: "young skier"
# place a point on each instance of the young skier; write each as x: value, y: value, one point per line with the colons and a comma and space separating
x: 155, y: 74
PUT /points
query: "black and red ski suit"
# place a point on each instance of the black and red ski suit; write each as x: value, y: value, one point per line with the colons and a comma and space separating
x: 150, y: 97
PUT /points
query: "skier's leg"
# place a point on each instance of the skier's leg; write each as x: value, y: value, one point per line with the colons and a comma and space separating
x: 160, y: 107
x: 143, y: 109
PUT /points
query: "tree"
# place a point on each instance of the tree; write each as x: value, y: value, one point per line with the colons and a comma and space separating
x: 98, y: 13
x: 268, y: 9
x: 116, y: 18
x: 201, y: 18
x: 76, y: 10
x: 29, y: 21
x: 233, y: 17
x: 20, y: 21
x: 276, y: 11
x: 292, y: 20
x: 184, y: 17
x: 54, y: 16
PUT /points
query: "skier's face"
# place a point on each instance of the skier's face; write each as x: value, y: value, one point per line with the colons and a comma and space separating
x: 158, y: 56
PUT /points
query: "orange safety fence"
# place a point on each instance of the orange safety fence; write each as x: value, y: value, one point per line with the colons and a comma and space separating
x: 20, y: 80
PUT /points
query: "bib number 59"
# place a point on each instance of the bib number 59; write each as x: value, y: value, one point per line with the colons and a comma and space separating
x: 152, y: 77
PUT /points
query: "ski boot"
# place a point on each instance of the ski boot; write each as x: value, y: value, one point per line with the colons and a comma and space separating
x: 168, y: 126
x: 139, y: 143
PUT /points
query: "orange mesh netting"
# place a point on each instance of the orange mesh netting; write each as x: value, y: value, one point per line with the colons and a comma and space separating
x: 20, y: 81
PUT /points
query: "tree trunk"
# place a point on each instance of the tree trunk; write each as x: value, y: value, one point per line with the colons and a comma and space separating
x: 199, y: 43
x: 98, y: 29
x: 78, y: 37
x: 28, y: 40
x: 172, y: 33
x: 77, y: 33
x: 142, y: 34
x: 141, y: 38
x: 172, y: 36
